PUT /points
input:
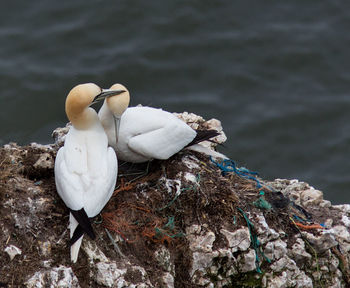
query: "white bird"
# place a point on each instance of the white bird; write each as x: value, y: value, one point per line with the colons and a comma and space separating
x: 85, y: 167
x: 140, y: 134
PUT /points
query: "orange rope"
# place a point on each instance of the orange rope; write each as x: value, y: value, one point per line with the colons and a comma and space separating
x: 112, y: 225
x: 151, y: 234
x: 123, y: 187
x: 140, y: 208
x: 313, y: 226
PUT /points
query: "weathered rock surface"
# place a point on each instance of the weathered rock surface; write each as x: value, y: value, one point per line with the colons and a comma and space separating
x: 183, y: 224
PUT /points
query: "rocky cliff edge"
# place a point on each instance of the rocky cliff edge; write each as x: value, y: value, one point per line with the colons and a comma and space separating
x: 190, y: 221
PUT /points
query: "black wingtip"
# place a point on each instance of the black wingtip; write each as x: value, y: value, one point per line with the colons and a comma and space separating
x: 78, y: 232
x: 84, y: 222
x: 203, y: 135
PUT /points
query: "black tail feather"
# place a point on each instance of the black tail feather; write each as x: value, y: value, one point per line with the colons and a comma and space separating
x: 84, y: 223
x: 78, y: 232
x: 203, y: 135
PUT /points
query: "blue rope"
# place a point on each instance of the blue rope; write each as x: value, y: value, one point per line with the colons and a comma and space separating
x: 299, y: 219
x: 160, y: 232
x: 170, y: 223
x: 229, y: 165
x: 255, y: 242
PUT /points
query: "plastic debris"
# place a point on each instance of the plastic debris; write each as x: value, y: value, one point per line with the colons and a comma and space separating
x: 262, y: 203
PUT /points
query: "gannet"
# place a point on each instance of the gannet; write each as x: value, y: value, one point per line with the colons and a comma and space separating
x: 85, y: 167
x: 146, y: 133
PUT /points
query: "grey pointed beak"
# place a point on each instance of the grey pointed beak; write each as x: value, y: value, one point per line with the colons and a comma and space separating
x: 116, y: 126
x: 106, y: 93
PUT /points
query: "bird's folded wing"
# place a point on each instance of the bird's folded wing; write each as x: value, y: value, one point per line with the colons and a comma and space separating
x: 68, y: 183
x: 162, y: 143
x: 70, y: 188
x: 103, y: 186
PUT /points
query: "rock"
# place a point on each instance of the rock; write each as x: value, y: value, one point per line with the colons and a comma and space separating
x: 44, y: 148
x: 237, y: 240
x: 292, y: 188
x: 342, y: 236
x: 325, y: 204
x: 192, y: 119
x: 264, y: 231
x: 202, y: 261
x: 247, y: 261
x: 346, y: 221
x: 197, y: 122
x: 109, y: 275
x: 163, y: 256
x: 298, y: 251
x: 280, y: 264
x: 59, y: 134
x: 168, y: 280
x: 277, y: 282
x: 201, y: 243
x: 215, y: 124
x: 322, y: 242
x: 12, y: 251
x: 177, y: 226
x: 333, y: 264
x: 337, y: 284
x: 310, y: 196
x: 193, y: 229
x: 44, y: 162
x: 345, y: 208
x: 56, y: 277
x: 94, y: 253
x: 328, y: 223
x: 290, y: 276
x: 276, y: 249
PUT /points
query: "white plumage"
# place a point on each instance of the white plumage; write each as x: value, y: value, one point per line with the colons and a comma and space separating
x: 86, y: 170
x: 85, y: 167
x: 146, y: 133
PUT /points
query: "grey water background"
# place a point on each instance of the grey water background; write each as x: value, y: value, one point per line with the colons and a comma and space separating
x: 276, y: 73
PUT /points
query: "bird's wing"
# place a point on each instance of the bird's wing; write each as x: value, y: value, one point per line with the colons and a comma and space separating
x: 96, y: 198
x: 68, y: 183
x: 70, y: 187
x: 163, y: 142
x: 78, y: 222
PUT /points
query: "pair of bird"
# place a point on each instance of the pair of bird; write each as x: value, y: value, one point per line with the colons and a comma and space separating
x: 86, y: 168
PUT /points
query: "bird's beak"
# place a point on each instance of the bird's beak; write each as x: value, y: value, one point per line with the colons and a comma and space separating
x: 116, y: 126
x: 106, y: 93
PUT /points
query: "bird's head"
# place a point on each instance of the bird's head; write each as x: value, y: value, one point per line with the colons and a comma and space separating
x: 80, y: 98
x: 119, y: 103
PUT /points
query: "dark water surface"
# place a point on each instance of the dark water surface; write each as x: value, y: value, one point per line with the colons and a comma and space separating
x: 276, y: 74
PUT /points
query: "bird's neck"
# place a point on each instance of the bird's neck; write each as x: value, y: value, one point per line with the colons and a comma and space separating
x: 106, y: 116
x: 84, y: 119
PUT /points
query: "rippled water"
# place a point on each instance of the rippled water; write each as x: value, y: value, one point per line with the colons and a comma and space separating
x: 276, y: 74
